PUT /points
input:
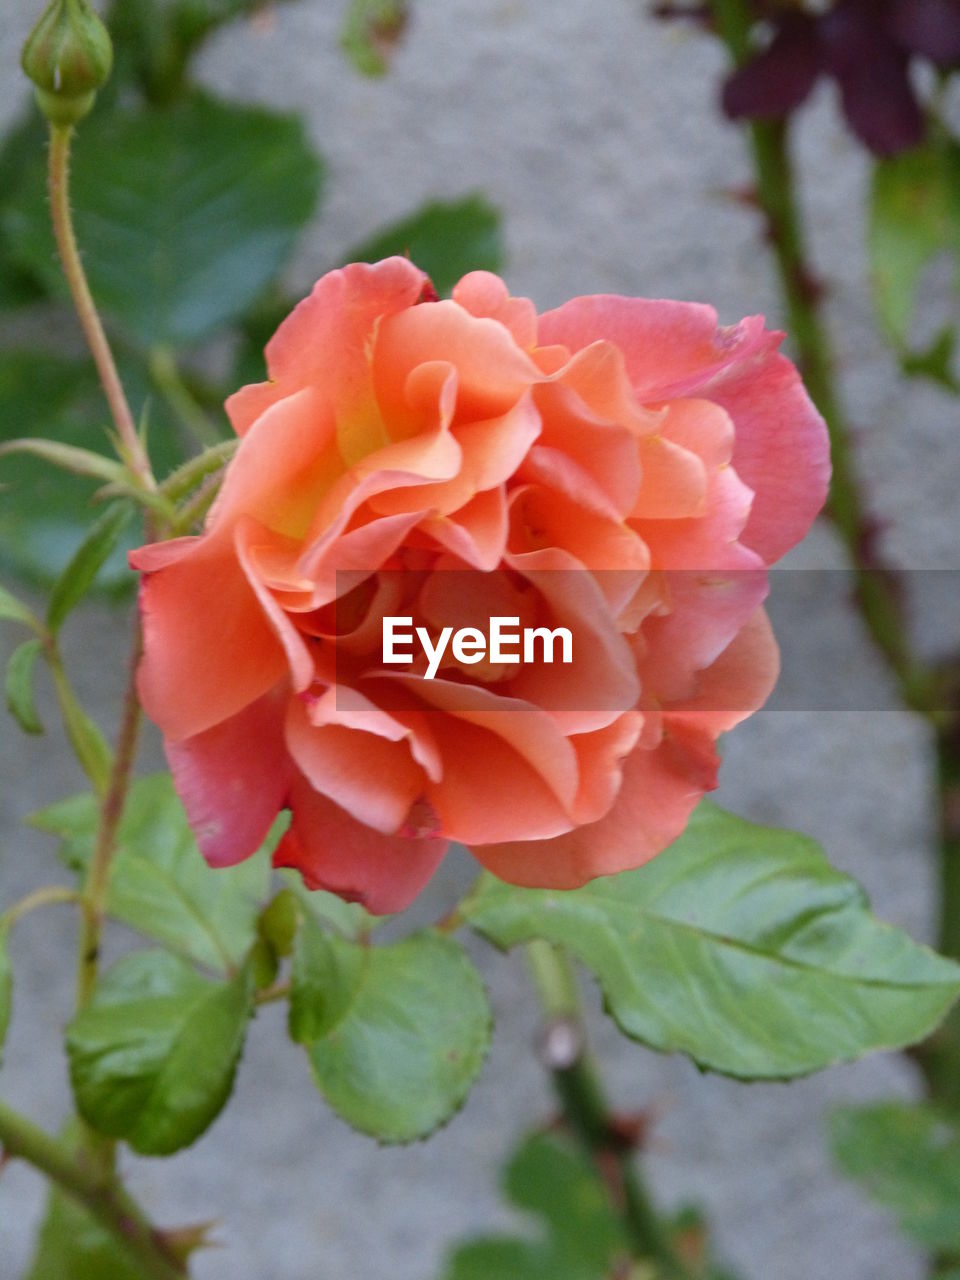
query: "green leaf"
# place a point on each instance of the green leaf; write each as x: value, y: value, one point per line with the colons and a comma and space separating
x: 80, y: 462
x: 935, y: 361
x: 396, y: 1035
x: 6, y: 985
x: 371, y: 31
x: 18, y: 148
x: 86, y: 738
x: 907, y: 1157
x: 178, y: 247
x: 914, y: 214
x: 154, y: 1052
x: 44, y: 511
x: 14, y: 610
x: 444, y: 238
x: 72, y: 1245
x: 739, y: 946
x: 580, y: 1237
x: 89, y: 558
x: 160, y: 884
x: 19, y: 686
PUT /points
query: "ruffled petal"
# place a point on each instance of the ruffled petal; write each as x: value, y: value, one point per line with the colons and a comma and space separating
x: 781, y: 450
x: 209, y: 650
x: 233, y: 779
x: 600, y: 682
x: 492, y: 371
x: 484, y: 294
x: 660, y: 790
x: 334, y: 851
x: 283, y: 467
x: 675, y: 349
x: 736, y: 684
x: 669, y: 348
x: 322, y: 343
x: 490, y: 790
x: 368, y: 772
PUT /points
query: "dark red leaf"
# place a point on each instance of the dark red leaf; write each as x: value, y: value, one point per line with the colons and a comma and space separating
x: 872, y: 71
x: 930, y: 28
x: 777, y: 81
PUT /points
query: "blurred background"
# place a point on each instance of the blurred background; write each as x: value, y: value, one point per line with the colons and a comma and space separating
x: 593, y: 129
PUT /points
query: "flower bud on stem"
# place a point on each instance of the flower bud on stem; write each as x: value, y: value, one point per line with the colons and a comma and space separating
x: 68, y: 56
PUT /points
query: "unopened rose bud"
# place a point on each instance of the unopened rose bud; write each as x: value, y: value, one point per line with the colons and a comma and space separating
x: 68, y: 56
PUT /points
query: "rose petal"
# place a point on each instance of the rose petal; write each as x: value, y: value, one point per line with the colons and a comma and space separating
x: 669, y: 348
x: 601, y: 681
x: 284, y: 465
x: 484, y: 294
x: 209, y: 651
x: 675, y: 349
x: 333, y: 851
x: 489, y: 790
x: 737, y: 683
x: 492, y: 372
x: 659, y: 791
x: 780, y: 451
x: 476, y: 533
x: 233, y: 779
x: 322, y: 343
x: 372, y: 776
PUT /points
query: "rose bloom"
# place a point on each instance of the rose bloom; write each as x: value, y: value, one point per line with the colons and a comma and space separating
x: 618, y: 466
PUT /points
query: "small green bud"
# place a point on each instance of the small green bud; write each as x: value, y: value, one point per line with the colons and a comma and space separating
x: 68, y: 56
x: 279, y: 922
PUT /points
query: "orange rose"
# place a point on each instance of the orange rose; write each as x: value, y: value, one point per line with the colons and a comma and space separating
x: 620, y: 468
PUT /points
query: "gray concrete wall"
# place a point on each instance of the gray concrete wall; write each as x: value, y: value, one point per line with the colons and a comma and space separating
x: 593, y: 128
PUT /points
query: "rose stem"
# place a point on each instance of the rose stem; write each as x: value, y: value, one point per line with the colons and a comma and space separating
x: 586, y: 1112
x: 59, y: 187
x: 98, y: 874
x: 98, y: 1191
x: 933, y: 692
x: 97, y: 881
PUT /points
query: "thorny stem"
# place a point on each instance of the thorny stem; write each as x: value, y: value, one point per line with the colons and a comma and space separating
x: 98, y: 874
x: 934, y: 692
x: 586, y: 1112
x: 90, y: 1174
x: 939, y: 1057
x: 877, y: 586
x: 59, y: 185
x: 96, y: 1189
